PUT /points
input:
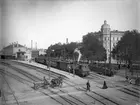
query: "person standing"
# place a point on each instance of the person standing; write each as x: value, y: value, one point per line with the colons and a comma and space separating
x: 88, y: 86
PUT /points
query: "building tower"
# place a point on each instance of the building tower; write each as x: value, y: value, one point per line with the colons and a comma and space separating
x: 105, y: 31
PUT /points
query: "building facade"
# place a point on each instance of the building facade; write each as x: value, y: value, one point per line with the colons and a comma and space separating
x: 16, y: 51
x: 110, y: 38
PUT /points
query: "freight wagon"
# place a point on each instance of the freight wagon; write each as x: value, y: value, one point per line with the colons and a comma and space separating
x: 78, y: 69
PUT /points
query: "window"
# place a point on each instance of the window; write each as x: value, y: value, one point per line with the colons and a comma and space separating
x: 105, y: 38
x: 113, y: 44
x: 113, y: 38
x: 117, y: 38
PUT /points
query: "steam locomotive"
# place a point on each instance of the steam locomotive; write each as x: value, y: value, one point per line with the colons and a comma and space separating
x: 81, y: 70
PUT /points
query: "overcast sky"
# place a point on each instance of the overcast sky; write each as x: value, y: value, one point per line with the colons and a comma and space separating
x: 50, y: 21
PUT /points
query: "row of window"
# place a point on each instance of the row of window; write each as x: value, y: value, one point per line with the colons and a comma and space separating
x: 114, y: 44
x: 113, y: 38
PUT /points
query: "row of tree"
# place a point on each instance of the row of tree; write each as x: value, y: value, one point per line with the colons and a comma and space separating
x: 127, y: 49
x: 90, y: 47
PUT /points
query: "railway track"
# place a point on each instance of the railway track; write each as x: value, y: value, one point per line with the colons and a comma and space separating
x: 64, y: 98
x: 97, y: 75
x: 30, y: 76
x: 39, y: 69
x: 98, y: 95
x: 103, y: 102
x: 18, y: 78
x: 130, y: 92
x: 4, y: 99
x: 13, y: 76
x: 74, y: 85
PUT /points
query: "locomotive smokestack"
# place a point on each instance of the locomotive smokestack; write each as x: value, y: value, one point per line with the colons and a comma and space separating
x: 79, y: 56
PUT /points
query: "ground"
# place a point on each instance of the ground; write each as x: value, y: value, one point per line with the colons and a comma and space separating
x: 19, y: 86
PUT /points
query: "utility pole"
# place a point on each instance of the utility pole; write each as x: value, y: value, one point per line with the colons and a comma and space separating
x: 110, y: 53
x: 48, y: 65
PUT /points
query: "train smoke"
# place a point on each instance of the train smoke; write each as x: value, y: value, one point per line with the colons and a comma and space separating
x: 78, y: 51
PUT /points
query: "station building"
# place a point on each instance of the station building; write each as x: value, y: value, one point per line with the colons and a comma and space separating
x: 20, y: 52
x: 15, y: 51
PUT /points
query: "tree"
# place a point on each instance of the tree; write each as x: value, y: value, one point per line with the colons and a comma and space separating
x: 93, y: 48
x: 128, y: 48
x: 63, y: 50
x: 54, y: 50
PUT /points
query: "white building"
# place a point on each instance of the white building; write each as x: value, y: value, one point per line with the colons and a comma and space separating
x: 105, y: 34
x: 16, y: 51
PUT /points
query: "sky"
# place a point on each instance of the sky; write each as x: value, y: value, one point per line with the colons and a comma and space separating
x: 48, y: 22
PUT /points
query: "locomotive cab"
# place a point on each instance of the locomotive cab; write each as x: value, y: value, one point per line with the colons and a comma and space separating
x: 82, y: 70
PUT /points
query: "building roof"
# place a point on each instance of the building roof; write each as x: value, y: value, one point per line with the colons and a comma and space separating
x: 15, y: 45
x: 105, y: 25
x: 116, y: 31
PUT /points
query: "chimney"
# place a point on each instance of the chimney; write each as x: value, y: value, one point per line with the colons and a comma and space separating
x: 36, y: 45
x: 31, y: 44
x: 13, y: 44
x: 17, y: 44
x: 67, y: 41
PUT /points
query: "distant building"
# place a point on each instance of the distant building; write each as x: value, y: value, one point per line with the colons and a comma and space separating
x: 15, y: 51
x: 42, y: 51
x: 104, y: 36
x: 35, y: 54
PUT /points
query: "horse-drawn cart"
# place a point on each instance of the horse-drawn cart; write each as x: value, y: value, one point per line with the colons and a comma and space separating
x: 56, y: 82
x: 43, y: 84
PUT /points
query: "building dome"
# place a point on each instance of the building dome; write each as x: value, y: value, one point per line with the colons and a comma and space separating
x: 105, y: 25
